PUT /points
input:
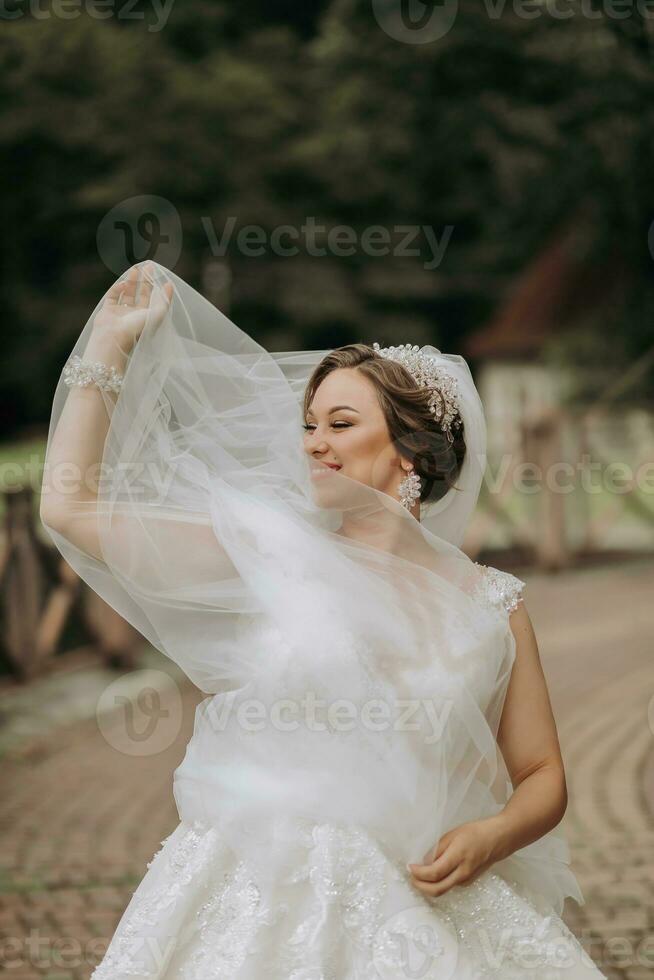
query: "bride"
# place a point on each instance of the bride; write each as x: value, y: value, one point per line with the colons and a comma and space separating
x: 374, y: 781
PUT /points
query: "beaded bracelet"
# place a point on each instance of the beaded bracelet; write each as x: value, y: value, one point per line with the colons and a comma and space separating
x: 79, y: 372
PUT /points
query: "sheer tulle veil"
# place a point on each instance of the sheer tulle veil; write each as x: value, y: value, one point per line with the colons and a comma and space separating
x: 380, y: 679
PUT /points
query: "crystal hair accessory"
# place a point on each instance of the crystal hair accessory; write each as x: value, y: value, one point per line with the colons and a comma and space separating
x: 83, y: 373
x: 427, y: 373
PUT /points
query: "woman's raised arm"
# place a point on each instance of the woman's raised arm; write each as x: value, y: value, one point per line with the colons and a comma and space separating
x: 76, y: 447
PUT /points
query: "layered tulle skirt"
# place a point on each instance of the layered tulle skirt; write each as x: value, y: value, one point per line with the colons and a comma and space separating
x: 331, y: 904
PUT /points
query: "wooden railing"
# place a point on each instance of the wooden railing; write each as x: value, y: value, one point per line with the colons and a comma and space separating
x: 41, y: 594
x: 588, y: 518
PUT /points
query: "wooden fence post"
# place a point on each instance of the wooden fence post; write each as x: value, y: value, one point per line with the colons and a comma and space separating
x: 22, y: 582
x: 40, y: 592
x: 545, y: 449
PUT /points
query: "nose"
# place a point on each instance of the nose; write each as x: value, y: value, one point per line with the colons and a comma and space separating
x: 315, y: 444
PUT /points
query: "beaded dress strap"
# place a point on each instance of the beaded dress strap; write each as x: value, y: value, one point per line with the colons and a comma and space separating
x: 498, y: 589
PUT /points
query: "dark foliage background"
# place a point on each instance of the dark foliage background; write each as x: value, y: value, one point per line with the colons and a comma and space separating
x: 506, y: 129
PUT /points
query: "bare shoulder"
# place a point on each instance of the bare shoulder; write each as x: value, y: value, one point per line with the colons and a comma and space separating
x: 501, y: 590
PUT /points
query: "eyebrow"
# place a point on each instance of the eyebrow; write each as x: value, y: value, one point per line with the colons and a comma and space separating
x: 337, y: 408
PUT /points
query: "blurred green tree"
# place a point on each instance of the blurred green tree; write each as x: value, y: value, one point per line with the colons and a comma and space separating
x: 492, y: 137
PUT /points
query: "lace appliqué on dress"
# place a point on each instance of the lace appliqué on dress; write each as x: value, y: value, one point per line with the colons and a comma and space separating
x: 348, y: 876
x: 498, y: 589
x: 229, y: 924
x: 137, y: 949
x: 341, y: 908
x: 505, y: 935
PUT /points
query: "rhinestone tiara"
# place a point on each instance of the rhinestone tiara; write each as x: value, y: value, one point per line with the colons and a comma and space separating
x: 427, y: 373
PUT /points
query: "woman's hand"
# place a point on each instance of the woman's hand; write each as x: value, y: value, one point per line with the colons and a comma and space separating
x: 131, y: 304
x: 461, y: 855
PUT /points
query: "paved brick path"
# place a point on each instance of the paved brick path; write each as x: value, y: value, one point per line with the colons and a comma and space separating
x: 77, y: 827
x: 595, y: 635
x: 79, y: 819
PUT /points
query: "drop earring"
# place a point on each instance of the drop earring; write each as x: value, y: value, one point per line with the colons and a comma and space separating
x: 409, y: 489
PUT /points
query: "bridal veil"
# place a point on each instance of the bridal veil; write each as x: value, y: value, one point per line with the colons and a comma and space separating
x: 364, y: 678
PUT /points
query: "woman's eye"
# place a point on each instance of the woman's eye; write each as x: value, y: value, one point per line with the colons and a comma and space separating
x: 335, y: 425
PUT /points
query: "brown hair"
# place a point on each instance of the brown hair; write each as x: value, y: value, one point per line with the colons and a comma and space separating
x: 414, y: 431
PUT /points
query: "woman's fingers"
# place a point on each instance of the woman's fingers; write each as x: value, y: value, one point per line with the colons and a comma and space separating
x: 159, y: 304
x: 135, y: 288
x: 434, y: 871
x: 137, y: 299
x: 439, y: 887
x: 130, y: 284
x: 146, y: 284
x: 113, y: 294
x: 164, y: 296
x: 123, y: 292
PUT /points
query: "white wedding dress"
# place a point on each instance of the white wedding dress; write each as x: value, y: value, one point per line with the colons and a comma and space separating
x: 355, y: 684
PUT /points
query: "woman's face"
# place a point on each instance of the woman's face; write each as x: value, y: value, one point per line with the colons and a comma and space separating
x: 345, y: 426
